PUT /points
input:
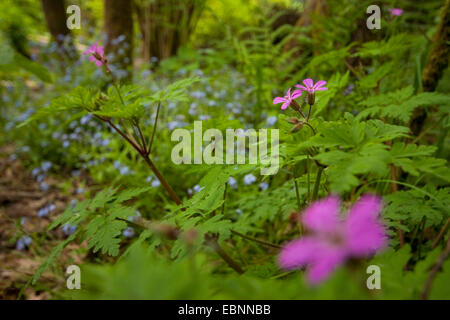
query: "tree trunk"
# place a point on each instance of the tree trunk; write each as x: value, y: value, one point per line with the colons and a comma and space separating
x: 119, y: 37
x: 437, y: 62
x: 312, y: 7
x: 438, y: 57
x: 55, y: 16
x: 166, y: 25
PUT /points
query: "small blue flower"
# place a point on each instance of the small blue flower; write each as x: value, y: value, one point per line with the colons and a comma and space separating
x: 44, y: 187
x: 263, y: 186
x: 249, y: 179
x: 35, y: 171
x: 80, y: 190
x: 128, y: 232
x: 271, y: 120
x: 197, y: 188
x: 23, y: 242
x: 156, y: 183
x: 46, y: 165
x: 69, y: 229
x: 73, y: 203
x: 232, y: 182
x: 124, y: 170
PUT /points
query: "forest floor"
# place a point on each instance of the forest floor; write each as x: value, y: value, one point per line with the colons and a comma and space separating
x: 20, y: 199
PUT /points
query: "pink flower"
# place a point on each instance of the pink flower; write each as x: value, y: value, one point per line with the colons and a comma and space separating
x: 396, y: 12
x: 287, y: 99
x: 311, y: 87
x: 97, y: 54
x: 332, y: 240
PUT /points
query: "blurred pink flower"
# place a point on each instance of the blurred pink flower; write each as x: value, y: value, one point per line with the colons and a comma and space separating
x: 332, y: 240
x: 287, y: 99
x: 97, y: 54
x: 396, y: 12
x: 311, y: 87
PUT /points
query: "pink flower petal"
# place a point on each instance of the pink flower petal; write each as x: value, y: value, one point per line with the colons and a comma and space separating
x: 363, y: 231
x: 288, y: 93
x: 278, y: 100
x: 321, y: 89
x: 297, y: 93
x: 98, y: 63
x: 308, y: 83
x: 302, y: 88
x: 327, y: 259
x: 323, y: 215
x: 299, y: 253
x: 285, y: 105
x: 396, y: 11
x: 92, y: 58
x: 319, y: 84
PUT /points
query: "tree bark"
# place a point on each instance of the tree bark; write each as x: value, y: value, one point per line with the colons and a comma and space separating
x: 118, y: 20
x: 55, y: 17
x: 166, y: 25
x: 312, y: 7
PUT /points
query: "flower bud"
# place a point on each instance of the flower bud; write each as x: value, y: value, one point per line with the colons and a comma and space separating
x: 311, y: 98
x: 294, y: 105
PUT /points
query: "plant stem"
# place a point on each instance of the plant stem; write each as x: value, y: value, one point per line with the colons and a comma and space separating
x: 441, y: 234
x: 224, y: 197
x: 154, y: 128
x: 218, y: 249
x: 297, y: 193
x: 256, y: 240
x: 309, y: 114
x: 308, y: 179
x: 161, y: 179
x: 144, y: 143
x: 317, y: 183
x: 313, y: 130
x: 435, y: 269
x: 149, y: 162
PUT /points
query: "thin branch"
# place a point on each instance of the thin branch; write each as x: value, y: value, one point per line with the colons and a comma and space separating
x: 435, y: 269
x: 126, y: 137
x: 441, y: 234
x: 224, y: 198
x: 144, y: 143
x: 309, y: 114
x: 212, y: 242
x: 313, y: 130
x: 256, y: 240
x: 154, y: 128
x: 161, y: 179
x: 317, y: 183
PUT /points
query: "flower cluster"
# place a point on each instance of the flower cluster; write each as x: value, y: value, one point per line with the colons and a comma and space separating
x: 97, y: 54
x: 23, y: 242
x: 332, y: 241
x: 308, y: 86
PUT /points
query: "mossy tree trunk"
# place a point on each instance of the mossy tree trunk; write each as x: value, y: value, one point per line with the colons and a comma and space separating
x: 437, y: 62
